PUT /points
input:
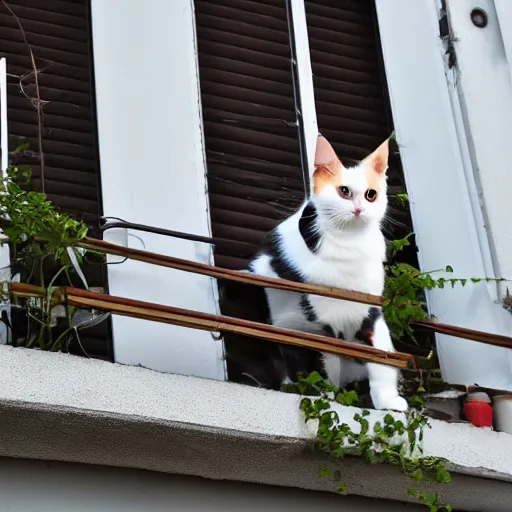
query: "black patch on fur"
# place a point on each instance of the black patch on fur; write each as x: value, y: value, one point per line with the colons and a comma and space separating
x: 329, y: 331
x: 308, y: 228
x: 279, y: 262
x: 300, y: 360
x: 365, y: 333
x: 307, y: 309
x: 250, y: 361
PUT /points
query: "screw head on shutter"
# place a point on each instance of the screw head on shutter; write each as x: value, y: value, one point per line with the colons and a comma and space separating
x: 479, y: 17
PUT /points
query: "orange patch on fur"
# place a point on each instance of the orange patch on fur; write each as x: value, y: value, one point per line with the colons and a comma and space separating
x: 375, y: 166
x: 375, y: 180
x: 324, y: 175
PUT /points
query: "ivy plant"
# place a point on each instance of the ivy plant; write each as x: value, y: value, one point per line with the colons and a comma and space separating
x: 396, y: 441
x: 405, y: 286
x: 430, y: 500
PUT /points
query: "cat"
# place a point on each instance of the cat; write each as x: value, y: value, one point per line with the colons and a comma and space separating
x: 334, y: 240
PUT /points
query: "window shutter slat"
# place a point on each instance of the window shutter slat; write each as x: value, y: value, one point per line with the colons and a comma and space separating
x: 250, y: 128
x: 249, y: 121
x: 58, y: 33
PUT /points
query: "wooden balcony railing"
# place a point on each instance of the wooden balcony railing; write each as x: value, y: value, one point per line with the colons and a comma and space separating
x: 217, y: 323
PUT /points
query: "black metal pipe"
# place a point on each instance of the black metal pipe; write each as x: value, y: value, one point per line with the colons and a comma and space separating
x: 121, y: 223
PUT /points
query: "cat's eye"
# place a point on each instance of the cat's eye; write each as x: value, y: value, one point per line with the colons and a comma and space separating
x: 370, y: 195
x: 344, y: 192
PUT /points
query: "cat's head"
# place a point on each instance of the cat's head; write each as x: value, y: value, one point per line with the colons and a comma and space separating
x: 350, y: 196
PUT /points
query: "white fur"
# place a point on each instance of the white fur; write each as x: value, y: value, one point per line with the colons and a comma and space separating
x: 351, y: 256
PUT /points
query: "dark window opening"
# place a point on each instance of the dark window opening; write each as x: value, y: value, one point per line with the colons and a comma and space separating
x: 252, y: 150
x: 59, y: 34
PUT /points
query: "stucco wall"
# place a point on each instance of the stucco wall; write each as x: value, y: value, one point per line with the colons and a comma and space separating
x: 153, y: 173
x: 485, y: 85
x: 34, y: 486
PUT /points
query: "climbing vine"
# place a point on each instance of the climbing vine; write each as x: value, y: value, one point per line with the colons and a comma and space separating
x: 405, y: 285
x: 396, y: 441
x: 430, y: 500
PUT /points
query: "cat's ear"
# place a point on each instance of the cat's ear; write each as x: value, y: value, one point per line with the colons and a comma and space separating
x: 327, y: 166
x: 378, y: 160
x: 326, y: 157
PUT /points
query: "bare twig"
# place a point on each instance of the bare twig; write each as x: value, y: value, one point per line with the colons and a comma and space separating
x: 38, y: 105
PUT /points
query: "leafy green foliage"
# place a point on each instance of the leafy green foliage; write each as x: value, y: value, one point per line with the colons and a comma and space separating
x: 404, y: 291
x: 314, y: 385
x: 401, y: 199
x: 25, y: 215
x: 390, y: 441
x: 37, y: 234
x: 430, y: 500
x: 395, y: 246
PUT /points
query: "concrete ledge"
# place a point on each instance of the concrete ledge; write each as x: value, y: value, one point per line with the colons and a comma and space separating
x: 60, y: 407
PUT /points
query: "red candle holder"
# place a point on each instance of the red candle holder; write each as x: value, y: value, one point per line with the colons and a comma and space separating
x: 478, y: 409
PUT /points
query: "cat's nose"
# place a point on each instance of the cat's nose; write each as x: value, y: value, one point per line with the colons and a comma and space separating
x: 358, y: 210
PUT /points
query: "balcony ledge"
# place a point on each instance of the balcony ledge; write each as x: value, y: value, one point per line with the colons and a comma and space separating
x: 66, y: 408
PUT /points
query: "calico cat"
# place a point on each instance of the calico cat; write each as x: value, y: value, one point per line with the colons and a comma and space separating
x: 333, y: 240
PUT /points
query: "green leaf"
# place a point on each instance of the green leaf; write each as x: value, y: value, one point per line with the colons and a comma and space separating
x: 348, y: 398
x: 313, y: 378
x: 342, y: 488
x: 13, y: 189
x: 388, y: 419
x: 449, y: 269
x: 443, y: 475
x: 325, y: 471
x: 417, y: 474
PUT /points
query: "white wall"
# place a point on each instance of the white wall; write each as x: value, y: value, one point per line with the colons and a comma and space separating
x: 483, y: 82
x: 34, y: 486
x: 483, y: 56
x: 153, y: 173
x: 443, y: 192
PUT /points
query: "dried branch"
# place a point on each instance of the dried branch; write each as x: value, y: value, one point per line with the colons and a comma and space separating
x: 223, y: 273
x: 38, y: 103
x: 215, y: 323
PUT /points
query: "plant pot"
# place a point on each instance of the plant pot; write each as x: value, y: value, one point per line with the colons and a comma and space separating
x: 478, y: 409
x: 447, y: 402
x: 503, y: 413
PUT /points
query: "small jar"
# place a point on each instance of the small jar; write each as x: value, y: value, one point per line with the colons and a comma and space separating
x: 478, y: 409
x: 503, y: 413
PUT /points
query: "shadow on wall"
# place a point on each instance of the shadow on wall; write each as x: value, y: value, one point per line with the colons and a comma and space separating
x: 62, y: 487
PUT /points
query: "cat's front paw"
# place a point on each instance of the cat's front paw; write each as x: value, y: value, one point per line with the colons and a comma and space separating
x: 395, y: 403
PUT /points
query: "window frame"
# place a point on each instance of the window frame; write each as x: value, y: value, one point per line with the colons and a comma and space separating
x: 148, y: 70
x: 5, y: 256
x: 433, y: 142
x: 426, y: 115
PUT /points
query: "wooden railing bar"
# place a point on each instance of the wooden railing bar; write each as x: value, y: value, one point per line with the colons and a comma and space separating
x: 498, y: 340
x: 223, y: 273
x: 216, y: 323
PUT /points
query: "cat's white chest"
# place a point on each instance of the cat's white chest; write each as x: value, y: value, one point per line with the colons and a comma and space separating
x: 355, y: 270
